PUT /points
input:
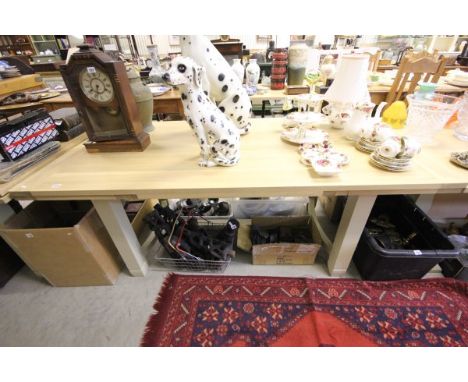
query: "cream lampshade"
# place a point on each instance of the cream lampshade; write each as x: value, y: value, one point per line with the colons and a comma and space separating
x: 350, y: 84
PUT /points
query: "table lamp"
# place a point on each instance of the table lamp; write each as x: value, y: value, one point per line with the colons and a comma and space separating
x: 348, y: 89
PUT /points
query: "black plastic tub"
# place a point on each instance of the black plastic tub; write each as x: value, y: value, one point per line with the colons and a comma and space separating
x: 430, y: 246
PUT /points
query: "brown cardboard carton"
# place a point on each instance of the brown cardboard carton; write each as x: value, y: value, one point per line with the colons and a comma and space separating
x: 284, y: 253
x: 65, y: 242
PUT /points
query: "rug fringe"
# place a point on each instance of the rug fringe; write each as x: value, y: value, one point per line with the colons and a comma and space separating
x: 156, y: 321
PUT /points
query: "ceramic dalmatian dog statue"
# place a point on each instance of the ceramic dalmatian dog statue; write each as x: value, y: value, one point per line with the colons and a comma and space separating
x: 225, y: 87
x: 218, y: 137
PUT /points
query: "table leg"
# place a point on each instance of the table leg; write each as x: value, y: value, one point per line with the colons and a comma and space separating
x: 353, y: 221
x: 263, y: 108
x: 120, y: 230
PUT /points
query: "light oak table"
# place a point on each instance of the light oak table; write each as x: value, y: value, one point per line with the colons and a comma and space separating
x: 268, y: 167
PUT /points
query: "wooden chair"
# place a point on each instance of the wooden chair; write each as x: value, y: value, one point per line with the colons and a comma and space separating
x: 374, y: 60
x: 424, y: 66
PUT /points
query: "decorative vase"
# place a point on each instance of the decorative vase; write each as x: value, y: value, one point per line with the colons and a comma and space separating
x: 298, y: 55
x: 143, y: 98
x: 278, y: 68
x: 252, y: 73
x: 348, y: 89
x: 238, y: 68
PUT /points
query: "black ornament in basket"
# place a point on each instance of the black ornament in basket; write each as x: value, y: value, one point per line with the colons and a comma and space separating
x: 192, y: 246
x: 26, y: 133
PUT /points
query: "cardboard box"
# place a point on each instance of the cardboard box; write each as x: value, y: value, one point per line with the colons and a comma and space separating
x: 64, y: 242
x: 284, y: 253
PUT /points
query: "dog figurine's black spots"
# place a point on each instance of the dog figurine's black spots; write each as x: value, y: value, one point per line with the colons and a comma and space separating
x: 218, y: 137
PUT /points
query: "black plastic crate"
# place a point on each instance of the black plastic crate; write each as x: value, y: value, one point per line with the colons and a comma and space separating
x: 457, y: 268
x: 430, y: 244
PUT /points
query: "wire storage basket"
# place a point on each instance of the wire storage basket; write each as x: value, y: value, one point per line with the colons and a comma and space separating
x: 190, y: 265
x: 162, y: 260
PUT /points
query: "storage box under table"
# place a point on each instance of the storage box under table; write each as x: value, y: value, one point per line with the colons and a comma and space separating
x: 431, y: 245
x: 284, y: 253
x: 64, y: 242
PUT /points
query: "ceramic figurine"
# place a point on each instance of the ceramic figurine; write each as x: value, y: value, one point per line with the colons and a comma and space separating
x: 225, y: 87
x: 238, y: 68
x: 252, y: 73
x: 217, y: 136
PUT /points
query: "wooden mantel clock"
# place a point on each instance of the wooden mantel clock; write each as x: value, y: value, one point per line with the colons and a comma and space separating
x: 100, y: 89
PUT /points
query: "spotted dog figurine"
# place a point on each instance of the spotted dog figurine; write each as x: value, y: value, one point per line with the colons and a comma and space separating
x: 218, y: 137
x: 225, y: 87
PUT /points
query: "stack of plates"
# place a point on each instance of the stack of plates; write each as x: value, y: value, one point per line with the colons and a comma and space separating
x: 390, y: 164
x: 10, y: 72
x: 366, y: 145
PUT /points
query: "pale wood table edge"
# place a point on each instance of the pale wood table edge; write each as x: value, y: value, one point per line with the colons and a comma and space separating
x: 5, y: 188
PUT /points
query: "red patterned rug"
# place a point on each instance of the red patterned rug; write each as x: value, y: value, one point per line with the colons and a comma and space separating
x: 281, y: 311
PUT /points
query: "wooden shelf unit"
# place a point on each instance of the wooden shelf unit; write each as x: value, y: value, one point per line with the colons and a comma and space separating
x: 11, y: 44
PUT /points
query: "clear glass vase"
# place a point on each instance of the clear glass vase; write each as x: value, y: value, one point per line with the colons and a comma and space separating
x: 460, y: 129
x: 428, y: 116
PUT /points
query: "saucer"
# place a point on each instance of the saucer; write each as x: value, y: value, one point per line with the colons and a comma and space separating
x: 367, y: 146
x: 310, y: 136
x: 388, y: 165
x: 307, y: 119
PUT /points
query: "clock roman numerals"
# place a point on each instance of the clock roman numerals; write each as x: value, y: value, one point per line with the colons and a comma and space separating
x: 96, y: 86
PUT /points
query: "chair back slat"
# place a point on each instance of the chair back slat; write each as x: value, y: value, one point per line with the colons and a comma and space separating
x: 422, y: 65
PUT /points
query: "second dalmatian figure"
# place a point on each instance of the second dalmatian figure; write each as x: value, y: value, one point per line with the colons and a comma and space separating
x: 218, y: 137
x: 225, y: 87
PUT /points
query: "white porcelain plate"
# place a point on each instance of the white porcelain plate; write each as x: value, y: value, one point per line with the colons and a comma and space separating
x: 310, y: 136
x: 158, y: 90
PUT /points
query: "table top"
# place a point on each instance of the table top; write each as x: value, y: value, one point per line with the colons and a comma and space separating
x: 168, y: 168
x: 5, y: 197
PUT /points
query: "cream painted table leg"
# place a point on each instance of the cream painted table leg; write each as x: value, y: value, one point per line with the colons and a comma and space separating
x: 120, y: 230
x: 353, y: 221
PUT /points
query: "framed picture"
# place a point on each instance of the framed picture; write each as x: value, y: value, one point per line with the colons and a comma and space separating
x: 264, y: 37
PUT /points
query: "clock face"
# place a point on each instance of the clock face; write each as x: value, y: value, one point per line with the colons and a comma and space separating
x: 96, y: 85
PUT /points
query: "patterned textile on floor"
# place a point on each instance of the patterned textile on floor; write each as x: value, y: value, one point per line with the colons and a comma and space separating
x: 282, y: 311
